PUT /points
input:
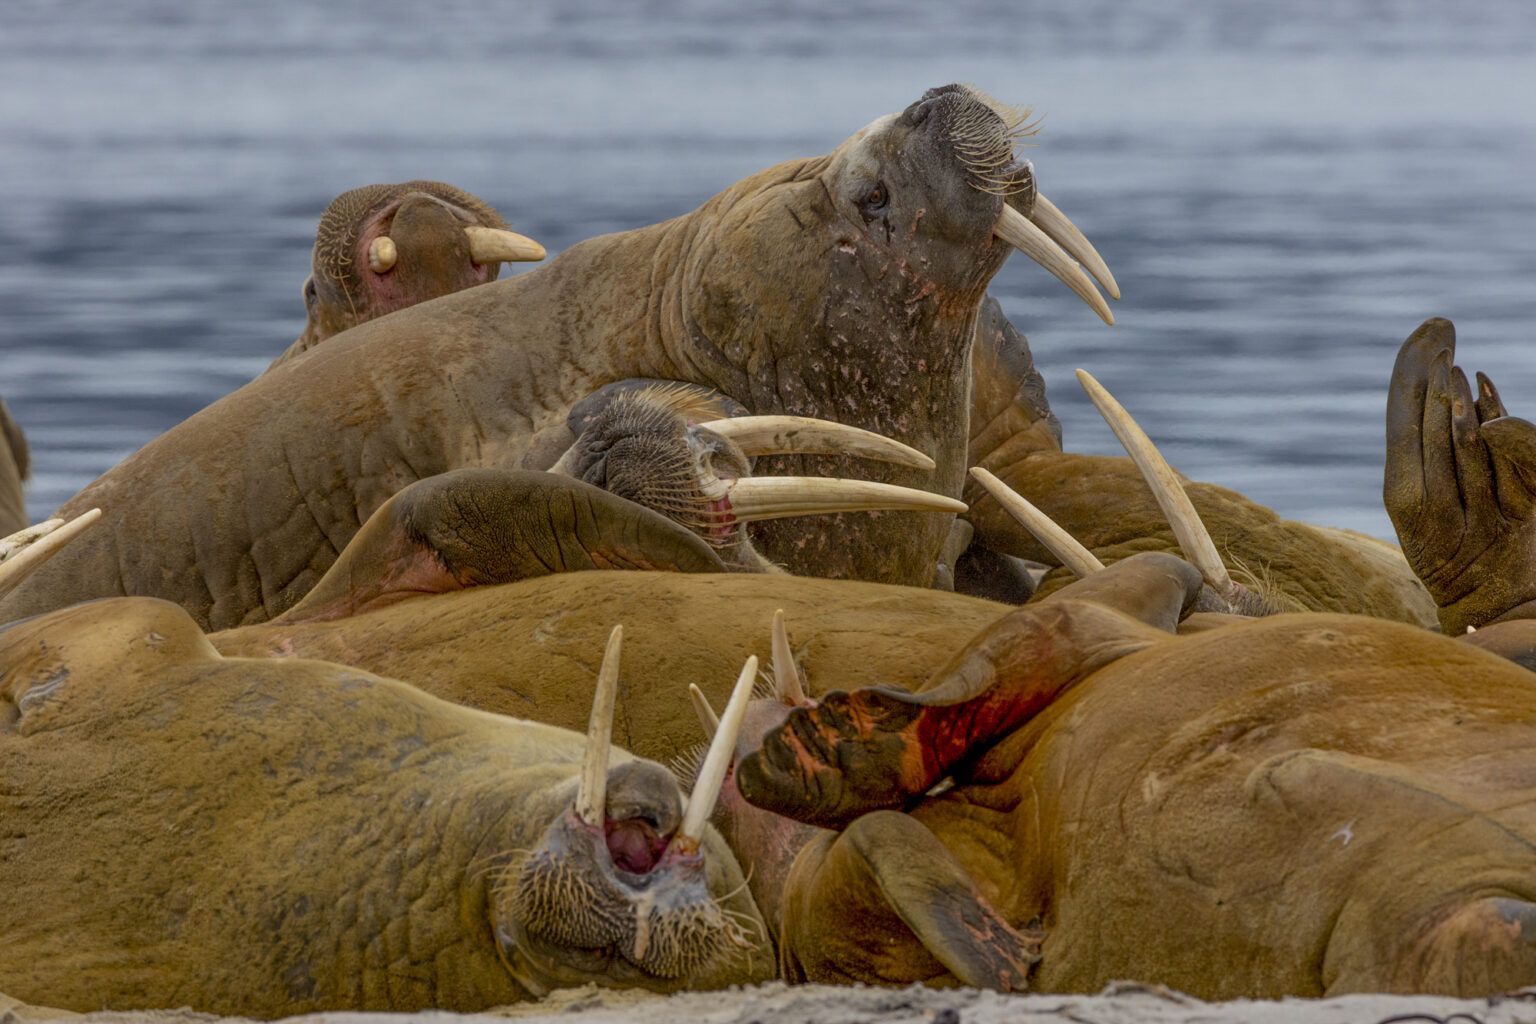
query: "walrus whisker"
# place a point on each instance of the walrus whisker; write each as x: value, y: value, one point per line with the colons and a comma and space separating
x: 701, y: 801
x: 40, y: 546
x: 592, y: 795
x: 496, y: 245
x: 1017, y: 230
x: 1056, y: 540
x: 806, y: 435
x: 786, y: 674
x: 1194, y: 540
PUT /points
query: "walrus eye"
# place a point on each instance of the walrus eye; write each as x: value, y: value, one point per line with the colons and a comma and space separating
x: 874, y: 202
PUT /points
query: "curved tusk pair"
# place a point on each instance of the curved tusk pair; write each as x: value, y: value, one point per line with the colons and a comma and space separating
x: 805, y: 435
x: 788, y: 682
x: 777, y: 497
x: 23, y: 551
x: 486, y: 245
x: 1055, y: 243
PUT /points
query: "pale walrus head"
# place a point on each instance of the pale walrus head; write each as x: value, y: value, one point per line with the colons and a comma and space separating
x: 847, y: 287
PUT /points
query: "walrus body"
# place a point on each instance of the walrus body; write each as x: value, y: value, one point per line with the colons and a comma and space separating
x: 1302, y: 805
x: 15, y: 463
x: 844, y: 286
x: 266, y: 838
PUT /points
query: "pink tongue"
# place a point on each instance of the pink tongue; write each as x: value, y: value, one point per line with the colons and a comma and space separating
x: 634, y: 846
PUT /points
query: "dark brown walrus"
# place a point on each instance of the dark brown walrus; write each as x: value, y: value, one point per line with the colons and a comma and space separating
x: 267, y: 838
x: 843, y: 286
x: 1300, y: 805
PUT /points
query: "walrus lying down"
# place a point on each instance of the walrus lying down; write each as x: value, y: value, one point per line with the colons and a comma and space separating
x: 843, y: 286
x: 265, y: 838
x: 1306, y: 804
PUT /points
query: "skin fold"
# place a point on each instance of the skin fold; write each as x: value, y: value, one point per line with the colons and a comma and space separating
x: 274, y: 837
x: 1306, y: 804
x: 844, y: 286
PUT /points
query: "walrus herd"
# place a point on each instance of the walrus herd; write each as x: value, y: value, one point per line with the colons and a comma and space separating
x: 297, y: 724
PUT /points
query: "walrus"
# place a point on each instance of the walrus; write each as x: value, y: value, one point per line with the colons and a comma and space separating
x: 15, y: 466
x: 380, y: 248
x: 272, y: 837
x: 1305, y: 804
x: 844, y: 287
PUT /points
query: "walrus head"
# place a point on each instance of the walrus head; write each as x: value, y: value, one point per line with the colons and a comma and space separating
x: 847, y: 287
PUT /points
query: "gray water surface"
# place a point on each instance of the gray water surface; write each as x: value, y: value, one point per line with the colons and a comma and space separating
x: 1283, y: 191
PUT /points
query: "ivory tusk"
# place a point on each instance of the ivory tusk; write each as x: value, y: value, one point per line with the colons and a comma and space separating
x: 804, y: 435
x: 1048, y: 218
x: 592, y: 796
x: 786, y: 674
x: 701, y: 802
x: 382, y: 254
x: 1015, y: 229
x: 775, y: 497
x: 1194, y: 540
x: 27, y: 549
x: 1056, y: 540
x: 708, y: 720
x: 493, y: 245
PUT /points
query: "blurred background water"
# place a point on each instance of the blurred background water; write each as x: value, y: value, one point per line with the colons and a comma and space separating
x: 1283, y: 191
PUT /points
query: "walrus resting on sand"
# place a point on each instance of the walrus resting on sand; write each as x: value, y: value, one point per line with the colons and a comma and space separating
x: 1305, y: 804
x: 844, y: 287
x: 380, y: 248
x: 265, y: 837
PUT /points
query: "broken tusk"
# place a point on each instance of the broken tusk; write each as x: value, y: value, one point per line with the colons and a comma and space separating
x: 27, y: 549
x: 708, y: 720
x: 493, y: 245
x: 1194, y: 540
x: 804, y: 435
x: 1015, y: 229
x: 592, y: 796
x: 1048, y: 218
x: 701, y: 802
x: 1056, y: 540
x: 775, y: 497
x: 786, y: 674
x: 382, y: 254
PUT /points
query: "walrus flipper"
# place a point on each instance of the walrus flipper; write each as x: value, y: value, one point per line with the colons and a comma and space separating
x: 886, y: 871
x: 1460, y: 485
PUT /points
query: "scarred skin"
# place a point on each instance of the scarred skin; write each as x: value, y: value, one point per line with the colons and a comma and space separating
x: 1300, y: 805
x: 425, y: 220
x: 268, y: 838
x: 843, y: 286
x: 15, y: 464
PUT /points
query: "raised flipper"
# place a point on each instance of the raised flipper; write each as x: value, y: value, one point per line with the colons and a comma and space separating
x: 880, y: 748
x: 474, y: 527
x: 1460, y: 485
x: 887, y: 875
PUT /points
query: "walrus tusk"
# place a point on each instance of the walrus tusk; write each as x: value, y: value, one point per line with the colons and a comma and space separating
x: 775, y: 497
x: 382, y: 254
x: 1048, y: 218
x: 786, y: 674
x: 27, y: 549
x: 1015, y: 229
x: 1056, y: 540
x: 708, y: 720
x: 493, y: 245
x: 806, y: 435
x: 701, y: 802
x: 592, y: 796
x: 1194, y: 540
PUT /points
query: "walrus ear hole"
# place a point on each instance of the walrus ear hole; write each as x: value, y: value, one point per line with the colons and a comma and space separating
x: 311, y: 298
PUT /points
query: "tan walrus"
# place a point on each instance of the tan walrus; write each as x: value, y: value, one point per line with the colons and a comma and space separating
x: 843, y: 286
x: 267, y: 838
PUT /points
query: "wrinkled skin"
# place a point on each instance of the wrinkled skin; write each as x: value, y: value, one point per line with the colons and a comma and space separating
x: 267, y: 838
x: 15, y: 464
x: 1104, y: 503
x: 1460, y: 485
x: 1301, y: 805
x: 844, y: 287
x: 426, y: 221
